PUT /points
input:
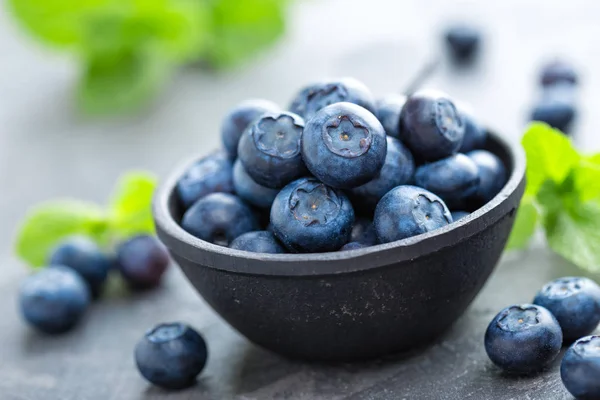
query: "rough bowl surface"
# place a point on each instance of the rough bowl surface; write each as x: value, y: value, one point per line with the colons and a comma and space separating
x: 356, y: 304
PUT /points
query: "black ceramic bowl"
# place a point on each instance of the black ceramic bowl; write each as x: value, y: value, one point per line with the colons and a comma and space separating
x: 355, y: 304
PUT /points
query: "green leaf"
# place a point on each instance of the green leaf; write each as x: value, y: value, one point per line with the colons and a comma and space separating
x: 48, y: 223
x: 131, y: 205
x: 525, y: 224
x: 550, y: 156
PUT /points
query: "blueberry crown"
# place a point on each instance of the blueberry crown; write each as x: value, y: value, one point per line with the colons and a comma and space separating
x: 347, y: 137
x: 447, y: 119
x: 314, y: 203
x: 165, y: 332
x: 518, y: 318
x: 278, y: 136
x: 563, y: 287
x: 588, y: 346
x: 427, y: 210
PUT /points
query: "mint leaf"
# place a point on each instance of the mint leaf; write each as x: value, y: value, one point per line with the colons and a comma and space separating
x: 587, y: 179
x: 550, y: 156
x: 131, y: 205
x: 48, y: 223
x: 525, y: 224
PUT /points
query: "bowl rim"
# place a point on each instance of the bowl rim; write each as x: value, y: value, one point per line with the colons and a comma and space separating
x: 184, y: 245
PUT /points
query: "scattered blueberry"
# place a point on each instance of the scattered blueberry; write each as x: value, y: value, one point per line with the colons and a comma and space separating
x: 171, y: 355
x: 398, y: 169
x: 353, y: 246
x: 558, y: 114
x: 492, y: 175
x: 575, y: 302
x: 258, y: 242
x: 475, y: 134
x: 219, y: 218
x: 558, y: 72
x: 431, y: 126
x: 310, y: 217
x: 270, y: 149
x: 388, y: 113
x: 250, y: 191
x: 344, y: 145
x: 363, y: 232
x: 85, y: 257
x: 580, y: 368
x: 456, y: 215
x: 407, y: 211
x: 211, y: 174
x: 454, y: 179
x: 238, y: 119
x: 319, y: 95
x: 54, y: 299
x: 463, y: 42
x: 523, y: 338
x: 142, y: 261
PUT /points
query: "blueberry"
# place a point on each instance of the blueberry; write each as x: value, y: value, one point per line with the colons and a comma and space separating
x: 558, y: 71
x: 523, y: 338
x: 142, y: 261
x: 219, y: 218
x: 270, y: 149
x: 475, y: 134
x: 388, y: 113
x: 353, y: 246
x: 211, y: 174
x: 407, y: 211
x: 431, y: 126
x: 580, y: 368
x: 316, y: 96
x: 363, y: 232
x: 85, y: 257
x: 463, y: 41
x: 344, y: 145
x: 398, y: 169
x: 456, y: 215
x: 554, y: 111
x: 258, y: 242
x: 171, y: 355
x: 575, y: 302
x: 238, y: 119
x: 492, y: 175
x: 311, y: 217
x: 250, y: 191
x: 54, y: 299
x: 454, y: 179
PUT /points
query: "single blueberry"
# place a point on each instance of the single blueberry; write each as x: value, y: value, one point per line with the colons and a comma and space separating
x: 258, y: 242
x: 454, y: 179
x: 311, y: 217
x: 363, y: 231
x: 492, y: 175
x: 171, y: 355
x: 270, y: 149
x: 407, y: 211
x: 558, y: 112
x: 523, y: 338
x: 558, y: 71
x: 344, y: 145
x: 85, y: 257
x: 211, y: 174
x: 219, y: 218
x: 580, y: 368
x: 142, y: 261
x: 456, y: 215
x: 431, y: 126
x: 398, y: 169
x: 388, y: 113
x: 353, y: 246
x: 54, y: 299
x: 475, y: 134
x: 575, y: 302
x: 463, y: 42
x: 319, y: 95
x: 237, y: 120
x: 250, y: 191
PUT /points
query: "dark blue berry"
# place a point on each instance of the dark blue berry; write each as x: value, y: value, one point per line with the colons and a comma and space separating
x: 353, y: 246
x: 344, y: 145
x: 250, y: 191
x: 54, y: 299
x: 580, y: 368
x: 463, y: 42
x: 270, y: 149
x: 575, y: 302
x: 311, y: 217
x: 431, y: 126
x: 316, y: 96
x: 238, y: 119
x: 454, y: 179
x: 219, y: 218
x: 408, y: 211
x: 258, y: 242
x: 85, y: 257
x: 456, y: 215
x: 492, y: 175
x: 556, y: 107
x: 558, y: 72
x: 388, y: 113
x: 398, y: 169
x: 211, y: 174
x: 523, y: 338
x: 363, y: 232
x: 475, y: 134
x: 142, y: 261
x: 171, y: 355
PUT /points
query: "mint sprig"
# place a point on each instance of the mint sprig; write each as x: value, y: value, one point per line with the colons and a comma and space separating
x: 128, y: 213
x: 563, y: 195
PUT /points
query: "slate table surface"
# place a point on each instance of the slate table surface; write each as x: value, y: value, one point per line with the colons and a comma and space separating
x: 48, y: 150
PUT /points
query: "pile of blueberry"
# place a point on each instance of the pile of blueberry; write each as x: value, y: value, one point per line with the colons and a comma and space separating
x: 54, y: 299
x: 339, y: 171
x: 526, y: 338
